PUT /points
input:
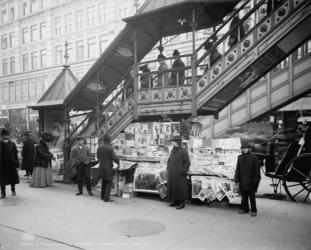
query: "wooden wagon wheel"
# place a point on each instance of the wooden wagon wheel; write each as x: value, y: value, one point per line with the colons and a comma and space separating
x: 297, y: 179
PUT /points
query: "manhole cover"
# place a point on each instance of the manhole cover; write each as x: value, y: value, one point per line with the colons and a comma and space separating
x: 137, y: 227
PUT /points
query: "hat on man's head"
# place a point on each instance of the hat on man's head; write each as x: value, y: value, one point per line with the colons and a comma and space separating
x: 144, y: 68
x: 80, y: 137
x: 161, y: 56
x: 245, y: 144
x: 106, y: 138
x: 176, y: 52
x: 176, y: 138
x: 5, y: 132
x: 47, y: 137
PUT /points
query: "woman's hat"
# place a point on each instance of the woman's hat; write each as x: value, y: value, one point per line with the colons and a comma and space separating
x: 176, y: 138
x: 48, y: 137
x: 176, y: 52
x: 161, y: 56
x: 5, y: 132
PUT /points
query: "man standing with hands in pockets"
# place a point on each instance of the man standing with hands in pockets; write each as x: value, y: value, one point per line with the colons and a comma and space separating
x: 106, y: 156
x: 81, y: 156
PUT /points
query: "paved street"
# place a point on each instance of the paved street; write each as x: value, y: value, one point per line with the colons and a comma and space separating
x: 54, y: 218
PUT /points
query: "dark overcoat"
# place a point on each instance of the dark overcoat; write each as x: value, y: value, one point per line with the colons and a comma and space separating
x: 179, y: 74
x: 9, y: 164
x: 43, y: 157
x: 106, y: 156
x: 247, y: 172
x: 177, y: 167
x: 28, y: 154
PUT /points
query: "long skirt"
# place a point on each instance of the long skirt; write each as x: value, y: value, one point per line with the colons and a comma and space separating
x: 41, y: 177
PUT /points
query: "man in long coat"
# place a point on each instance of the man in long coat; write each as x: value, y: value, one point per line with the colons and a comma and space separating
x: 106, y: 157
x: 177, y: 167
x: 9, y: 164
x: 248, y: 176
x: 178, y: 77
x: 28, y: 154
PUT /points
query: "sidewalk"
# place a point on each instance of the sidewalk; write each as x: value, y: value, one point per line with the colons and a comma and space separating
x: 54, y: 218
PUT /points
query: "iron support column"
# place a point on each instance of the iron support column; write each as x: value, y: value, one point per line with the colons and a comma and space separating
x: 193, y: 68
x: 135, y: 77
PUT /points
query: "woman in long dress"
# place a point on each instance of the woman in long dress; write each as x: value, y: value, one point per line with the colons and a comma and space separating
x: 42, y: 173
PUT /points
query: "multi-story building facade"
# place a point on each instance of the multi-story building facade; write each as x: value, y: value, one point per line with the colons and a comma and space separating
x: 32, y: 38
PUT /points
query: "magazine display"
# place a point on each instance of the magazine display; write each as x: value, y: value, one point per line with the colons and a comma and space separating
x: 213, y: 162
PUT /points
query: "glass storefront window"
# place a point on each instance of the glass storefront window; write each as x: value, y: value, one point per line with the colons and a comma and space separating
x: 32, y: 89
x: 25, y: 90
x: 18, y: 90
x: 12, y: 91
x: 38, y: 87
x: 5, y: 94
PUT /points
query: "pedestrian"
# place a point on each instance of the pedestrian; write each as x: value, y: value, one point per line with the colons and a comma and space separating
x: 28, y: 153
x: 214, y: 53
x: 163, y: 75
x: 247, y: 175
x: 236, y: 31
x: 177, y: 168
x: 178, y: 76
x: 106, y: 157
x: 42, y: 172
x: 9, y: 164
x: 81, y: 157
x: 145, y: 79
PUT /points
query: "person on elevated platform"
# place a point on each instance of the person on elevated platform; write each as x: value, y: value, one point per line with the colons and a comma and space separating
x: 214, y: 55
x: 145, y: 79
x: 162, y: 77
x: 177, y: 77
x: 237, y: 33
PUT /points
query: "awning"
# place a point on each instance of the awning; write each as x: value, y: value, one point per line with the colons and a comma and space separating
x: 55, y: 95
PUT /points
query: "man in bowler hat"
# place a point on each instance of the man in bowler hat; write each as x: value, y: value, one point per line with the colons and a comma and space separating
x: 177, y: 167
x: 106, y: 157
x: 247, y: 174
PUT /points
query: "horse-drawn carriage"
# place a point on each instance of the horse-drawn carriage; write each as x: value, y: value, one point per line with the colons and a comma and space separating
x: 293, y: 172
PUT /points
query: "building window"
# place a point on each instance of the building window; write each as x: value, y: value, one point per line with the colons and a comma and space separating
x: 34, y: 33
x: 4, y: 17
x: 79, y: 19
x: 68, y: 23
x: 12, y: 14
x: 18, y: 90
x: 43, y: 57
x: 32, y: 6
x: 45, y: 83
x: 38, y: 87
x: 91, y: 48
x: 91, y: 16
x: 34, y: 60
x: 4, y: 41
x: 58, y: 55
x: 25, y: 9
x: 11, y: 39
x: 70, y: 52
x: 102, y: 13
x: 12, y: 64
x: 25, y: 90
x: 43, y: 31
x: 103, y: 40
x: 25, y: 38
x: 5, y: 66
x: 80, y: 50
x: 12, y: 91
x: 58, y: 25
x: 5, y: 93
x: 123, y: 12
x: 25, y: 62
x: 32, y: 89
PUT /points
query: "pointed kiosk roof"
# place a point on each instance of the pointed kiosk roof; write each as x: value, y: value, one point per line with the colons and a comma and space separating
x: 55, y: 95
x: 155, y: 19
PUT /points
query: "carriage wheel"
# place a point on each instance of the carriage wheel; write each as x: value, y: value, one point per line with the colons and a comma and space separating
x: 298, y: 189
